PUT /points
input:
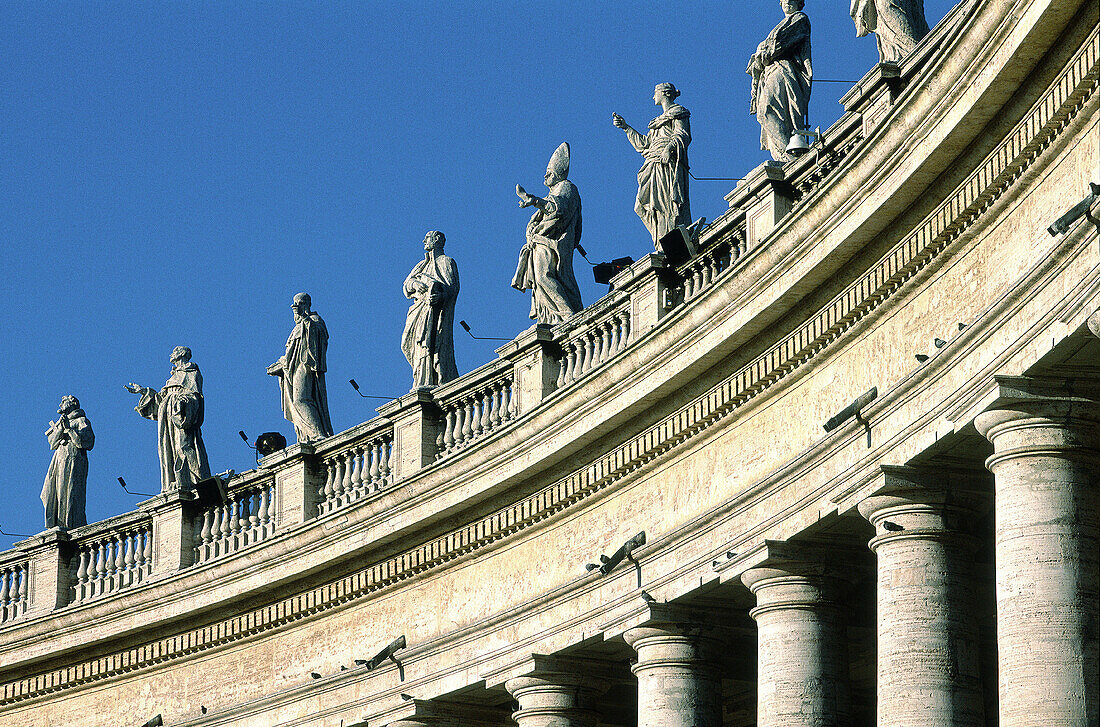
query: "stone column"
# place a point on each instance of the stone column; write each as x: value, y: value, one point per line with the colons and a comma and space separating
x: 1046, y: 460
x: 802, y: 651
x: 928, y: 641
x: 555, y: 699
x: 678, y: 677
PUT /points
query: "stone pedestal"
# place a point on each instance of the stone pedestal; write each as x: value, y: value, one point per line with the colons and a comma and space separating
x: 928, y: 640
x: 679, y: 684
x: 647, y: 284
x: 415, y: 426
x: 802, y: 675
x: 49, y: 555
x: 173, y: 515
x: 555, y: 699
x: 1046, y: 462
x: 766, y: 197
x: 298, y: 480
x: 534, y: 366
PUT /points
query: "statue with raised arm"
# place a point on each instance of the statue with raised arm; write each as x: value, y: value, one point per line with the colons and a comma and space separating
x: 301, y: 372
x: 178, y: 411
x: 546, y: 261
x: 898, y: 25
x: 65, y: 490
x: 662, y: 202
x: 428, y: 339
x: 781, y: 78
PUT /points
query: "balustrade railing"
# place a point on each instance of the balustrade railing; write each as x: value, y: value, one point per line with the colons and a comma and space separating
x: 594, y: 343
x: 476, y: 408
x: 703, y: 270
x: 111, y: 561
x: 248, y: 517
x: 14, y: 583
x: 356, y: 469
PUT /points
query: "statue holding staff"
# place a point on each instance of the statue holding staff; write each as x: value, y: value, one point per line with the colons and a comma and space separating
x: 898, y: 25
x: 662, y: 202
x: 781, y: 79
x: 428, y: 339
x: 546, y: 260
x: 178, y: 411
x: 64, y: 492
x: 301, y: 372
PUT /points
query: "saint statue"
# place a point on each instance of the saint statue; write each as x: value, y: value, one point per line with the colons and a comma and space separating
x: 781, y: 78
x: 898, y: 25
x: 428, y: 340
x: 178, y: 411
x: 301, y: 372
x: 546, y: 260
x: 663, y: 179
x: 65, y: 489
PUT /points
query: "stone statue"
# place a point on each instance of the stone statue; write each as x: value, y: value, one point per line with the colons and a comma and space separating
x: 178, y: 411
x: 301, y: 372
x: 64, y: 491
x: 428, y: 339
x: 663, y: 179
x: 781, y: 76
x: 546, y: 260
x: 898, y: 25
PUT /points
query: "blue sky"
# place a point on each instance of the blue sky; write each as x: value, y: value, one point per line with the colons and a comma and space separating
x: 173, y: 173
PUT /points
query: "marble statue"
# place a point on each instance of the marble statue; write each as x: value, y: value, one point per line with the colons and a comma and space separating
x: 428, y: 339
x: 178, y: 411
x: 65, y: 488
x: 781, y: 78
x: 898, y: 25
x: 301, y: 372
x: 662, y: 202
x: 546, y: 260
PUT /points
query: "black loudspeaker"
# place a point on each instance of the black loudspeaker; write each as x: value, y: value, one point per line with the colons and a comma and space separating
x: 211, y: 491
x: 677, y: 246
x: 269, y: 443
x: 604, y: 272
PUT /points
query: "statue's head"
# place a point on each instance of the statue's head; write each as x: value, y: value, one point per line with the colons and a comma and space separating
x: 301, y: 302
x: 791, y: 6
x: 68, y: 404
x: 434, y: 241
x: 664, y: 90
x: 558, y: 168
x: 180, y: 354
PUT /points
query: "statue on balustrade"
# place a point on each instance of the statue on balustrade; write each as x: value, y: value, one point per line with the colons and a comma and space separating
x: 301, y: 372
x: 428, y: 339
x: 178, y: 411
x: 781, y: 78
x: 898, y: 25
x: 546, y: 260
x: 65, y: 489
x: 662, y: 201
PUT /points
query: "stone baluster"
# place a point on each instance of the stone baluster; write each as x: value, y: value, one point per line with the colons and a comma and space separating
x: 678, y: 679
x: 486, y: 398
x: 376, y: 450
x: 330, y: 473
x: 355, y: 476
x: 496, y: 395
x: 802, y: 654
x: 1046, y: 467
x: 624, y: 320
x: 928, y: 640
x: 81, y: 573
x: 449, y: 429
x: 5, y: 577
x: 467, y: 420
x: 128, y: 556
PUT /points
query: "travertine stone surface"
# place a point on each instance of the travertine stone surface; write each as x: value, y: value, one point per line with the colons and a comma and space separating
x: 678, y: 678
x: 173, y: 530
x: 49, y: 554
x: 802, y: 675
x: 1046, y: 462
x: 555, y: 699
x: 928, y: 641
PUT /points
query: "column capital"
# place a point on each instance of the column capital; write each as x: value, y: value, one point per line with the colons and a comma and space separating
x: 430, y: 713
x: 1055, y: 413
x: 917, y: 502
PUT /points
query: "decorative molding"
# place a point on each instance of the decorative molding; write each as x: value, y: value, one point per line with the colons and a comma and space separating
x: 1001, y: 169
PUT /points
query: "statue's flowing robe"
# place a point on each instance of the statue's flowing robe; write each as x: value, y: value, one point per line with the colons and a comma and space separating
x: 898, y: 25
x: 65, y: 490
x: 428, y: 339
x: 662, y: 202
x: 178, y: 411
x: 305, y: 398
x: 783, y: 97
x: 546, y: 260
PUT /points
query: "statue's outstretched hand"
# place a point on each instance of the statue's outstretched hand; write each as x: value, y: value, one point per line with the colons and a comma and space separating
x: 524, y: 198
x: 619, y: 121
x: 133, y: 388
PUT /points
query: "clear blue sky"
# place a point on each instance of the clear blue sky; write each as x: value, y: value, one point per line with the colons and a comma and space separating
x: 173, y: 173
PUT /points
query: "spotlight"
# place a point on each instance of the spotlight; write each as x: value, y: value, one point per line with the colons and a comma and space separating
x: 387, y: 653
x: 1079, y: 210
x: 852, y: 409
x: 466, y: 327
x: 604, y: 272
x: 130, y: 492
x: 624, y: 552
x: 270, y: 443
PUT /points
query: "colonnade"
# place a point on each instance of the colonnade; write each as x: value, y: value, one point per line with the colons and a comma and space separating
x: 1046, y: 456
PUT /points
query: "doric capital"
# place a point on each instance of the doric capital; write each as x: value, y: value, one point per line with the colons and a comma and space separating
x: 917, y: 502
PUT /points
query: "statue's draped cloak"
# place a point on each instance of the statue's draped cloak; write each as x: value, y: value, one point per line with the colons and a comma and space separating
x: 546, y: 261
x: 898, y: 25
x: 428, y: 338
x: 178, y: 411
x: 783, y: 98
x: 64, y: 492
x: 305, y: 397
x: 662, y: 201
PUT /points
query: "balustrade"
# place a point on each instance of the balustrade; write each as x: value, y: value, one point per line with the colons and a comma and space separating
x: 13, y: 590
x: 356, y: 470
x: 701, y: 272
x: 475, y: 413
x: 248, y: 517
x: 108, y: 562
x: 596, y: 344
